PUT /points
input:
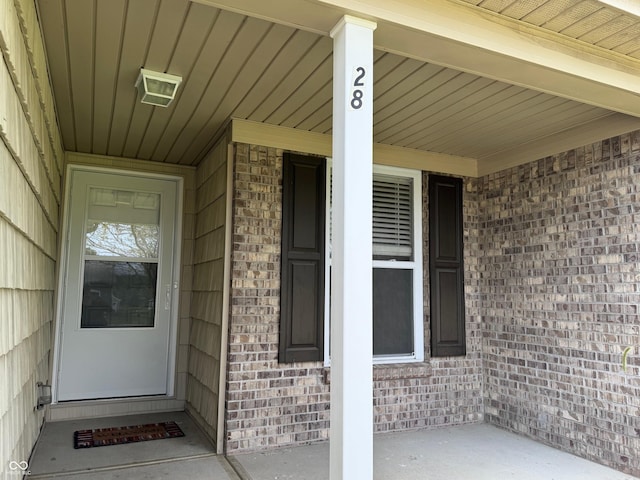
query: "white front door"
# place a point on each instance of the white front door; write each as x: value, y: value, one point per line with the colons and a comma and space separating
x: 116, y: 314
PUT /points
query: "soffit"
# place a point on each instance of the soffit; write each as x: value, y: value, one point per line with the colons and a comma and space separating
x: 591, y: 21
x: 239, y: 66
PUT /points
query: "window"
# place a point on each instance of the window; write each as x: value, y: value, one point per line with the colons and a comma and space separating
x: 397, y: 266
x: 398, y: 309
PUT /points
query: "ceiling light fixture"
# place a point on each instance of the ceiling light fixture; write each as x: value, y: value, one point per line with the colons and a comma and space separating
x: 156, y: 88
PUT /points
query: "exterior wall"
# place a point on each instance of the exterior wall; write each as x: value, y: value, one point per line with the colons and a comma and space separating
x: 560, y: 250
x: 208, y: 290
x: 268, y: 404
x: 271, y: 404
x: 30, y: 170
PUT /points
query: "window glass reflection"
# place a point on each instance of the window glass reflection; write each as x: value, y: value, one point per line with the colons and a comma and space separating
x: 107, y: 239
x: 118, y: 294
x: 122, y: 223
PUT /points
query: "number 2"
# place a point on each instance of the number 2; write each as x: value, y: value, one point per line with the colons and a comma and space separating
x: 357, y: 82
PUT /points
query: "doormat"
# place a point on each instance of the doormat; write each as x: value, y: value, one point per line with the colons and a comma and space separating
x: 100, y: 437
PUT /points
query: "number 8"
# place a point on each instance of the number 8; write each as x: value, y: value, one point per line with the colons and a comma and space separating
x: 356, y: 101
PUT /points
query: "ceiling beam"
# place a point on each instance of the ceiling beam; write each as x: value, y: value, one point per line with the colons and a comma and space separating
x: 256, y: 133
x: 472, y: 40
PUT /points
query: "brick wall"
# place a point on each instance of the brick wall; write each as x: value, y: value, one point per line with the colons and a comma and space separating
x: 559, y: 266
x: 30, y: 170
x: 207, y: 298
x: 269, y: 404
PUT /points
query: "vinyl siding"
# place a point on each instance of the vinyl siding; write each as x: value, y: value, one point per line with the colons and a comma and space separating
x: 208, y: 285
x: 30, y: 185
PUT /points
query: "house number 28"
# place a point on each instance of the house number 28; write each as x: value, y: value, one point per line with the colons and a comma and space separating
x: 356, y: 93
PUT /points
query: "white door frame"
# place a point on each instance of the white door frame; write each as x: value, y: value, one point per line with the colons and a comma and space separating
x: 62, y: 272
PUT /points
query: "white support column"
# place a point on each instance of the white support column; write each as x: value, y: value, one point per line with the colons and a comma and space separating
x: 351, y: 440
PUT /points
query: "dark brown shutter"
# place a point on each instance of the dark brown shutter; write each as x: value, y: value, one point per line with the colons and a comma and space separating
x: 302, y: 273
x: 446, y: 267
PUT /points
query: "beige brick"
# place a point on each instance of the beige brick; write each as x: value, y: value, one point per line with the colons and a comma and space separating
x: 561, y: 296
x: 293, y: 407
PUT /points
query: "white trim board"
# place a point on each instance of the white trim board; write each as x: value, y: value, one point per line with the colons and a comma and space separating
x: 264, y: 134
x: 255, y: 133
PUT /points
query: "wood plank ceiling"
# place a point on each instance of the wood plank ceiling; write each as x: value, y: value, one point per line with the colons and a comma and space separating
x: 589, y: 21
x: 243, y: 67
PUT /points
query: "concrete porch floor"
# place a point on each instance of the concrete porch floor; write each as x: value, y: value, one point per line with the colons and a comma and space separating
x: 192, y: 456
x: 469, y: 452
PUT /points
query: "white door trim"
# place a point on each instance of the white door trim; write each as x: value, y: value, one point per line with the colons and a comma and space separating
x: 62, y: 271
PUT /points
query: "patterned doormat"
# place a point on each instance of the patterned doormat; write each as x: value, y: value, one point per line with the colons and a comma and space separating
x: 100, y: 437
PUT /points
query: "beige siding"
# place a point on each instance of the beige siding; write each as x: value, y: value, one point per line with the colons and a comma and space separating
x: 208, y: 285
x: 30, y: 186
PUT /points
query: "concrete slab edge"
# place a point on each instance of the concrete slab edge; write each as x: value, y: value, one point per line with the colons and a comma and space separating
x: 238, y: 468
x: 119, y: 467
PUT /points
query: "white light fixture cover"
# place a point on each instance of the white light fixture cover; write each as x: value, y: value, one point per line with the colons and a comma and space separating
x: 157, y: 88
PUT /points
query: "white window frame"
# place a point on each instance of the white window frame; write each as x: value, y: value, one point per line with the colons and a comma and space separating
x: 415, y: 264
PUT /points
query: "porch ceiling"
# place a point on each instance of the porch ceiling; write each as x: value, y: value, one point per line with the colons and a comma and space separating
x: 265, y: 62
x: 608, y: 24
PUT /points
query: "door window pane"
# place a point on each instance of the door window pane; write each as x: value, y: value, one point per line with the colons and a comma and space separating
x: 122, y: 226
x: 105, y: 239
x: 122, y: 223
x: 118, y: 294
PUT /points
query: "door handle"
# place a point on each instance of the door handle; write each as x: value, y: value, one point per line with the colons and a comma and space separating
x: 167, y: 297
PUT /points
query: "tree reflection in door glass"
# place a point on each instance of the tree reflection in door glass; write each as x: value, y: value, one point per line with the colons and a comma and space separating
x: 107, y: 239
x: 122, y: 223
